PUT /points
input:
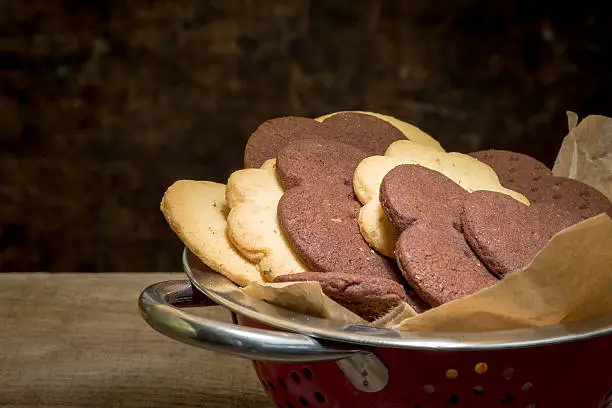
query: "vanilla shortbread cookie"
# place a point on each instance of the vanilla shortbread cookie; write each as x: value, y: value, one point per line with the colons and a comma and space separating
x: 269, y: 164
x: 371, y: 171
x: 377, y: 229
x: 470, y: 173
x: 410, y: 131
x: 253, y: 185
x: 196, y: 211
x: 253, y: 195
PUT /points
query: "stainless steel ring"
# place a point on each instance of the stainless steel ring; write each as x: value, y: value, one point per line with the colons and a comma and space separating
x: 225, y: 293
x: 157, y: 306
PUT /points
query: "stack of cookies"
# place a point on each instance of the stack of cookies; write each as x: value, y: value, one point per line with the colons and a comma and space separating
x: 375, y: 211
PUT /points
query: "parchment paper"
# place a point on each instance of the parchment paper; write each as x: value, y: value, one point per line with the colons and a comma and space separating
x: 586, y: 152
x: 303, y: 297
x: 569, y: 279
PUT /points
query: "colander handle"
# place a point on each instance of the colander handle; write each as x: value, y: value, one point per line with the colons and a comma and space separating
x: 159, y: 306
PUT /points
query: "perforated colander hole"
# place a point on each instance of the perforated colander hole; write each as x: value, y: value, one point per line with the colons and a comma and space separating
x: 429, y: 389
x: 507, y: 399
x: 270, y: 386
x: 307, y: 373
x: 452, y: 399
x: 478, y: 390
x: 303, y: 402
x: 481, y: 368
x: 527, y: 387
x: 452, y: 374
x: 282, y: 383
x: 296, y: 377
x: 508, y: 373
x: 320, y: 397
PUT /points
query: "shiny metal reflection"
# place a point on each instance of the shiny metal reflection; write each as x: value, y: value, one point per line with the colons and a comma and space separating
x: 224, y: 292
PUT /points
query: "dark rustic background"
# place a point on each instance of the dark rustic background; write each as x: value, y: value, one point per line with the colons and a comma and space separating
x: 104, y: 103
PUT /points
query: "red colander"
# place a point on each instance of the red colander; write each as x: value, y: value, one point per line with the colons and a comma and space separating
x: 304, y: 361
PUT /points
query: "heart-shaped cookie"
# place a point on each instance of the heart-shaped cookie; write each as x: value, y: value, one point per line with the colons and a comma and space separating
x: 433, y: 255
x: 197, y: 212
x: 321, y: 227
x: 533, y: 179
x: 252, y: 225
x: 439, y: 264
x: 505, y: 234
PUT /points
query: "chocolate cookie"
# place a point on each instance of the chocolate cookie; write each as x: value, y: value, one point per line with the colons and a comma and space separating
x: 516, y: 171
x: 409, y: 193
x: 321, y: 226
x: 318, y: 161
x: 533, y: 179
x: 506, y: 234
x: 369, y: 298
x: 439, y: 264
x: 570, y: 195
x: 366, y: 132
x: 273, y: 134
x: 433, y: 255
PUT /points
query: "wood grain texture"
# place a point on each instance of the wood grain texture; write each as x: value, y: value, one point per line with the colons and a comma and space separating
x: 77, y: 340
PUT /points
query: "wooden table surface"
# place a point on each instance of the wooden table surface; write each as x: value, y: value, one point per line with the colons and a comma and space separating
x: 77, y: 340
